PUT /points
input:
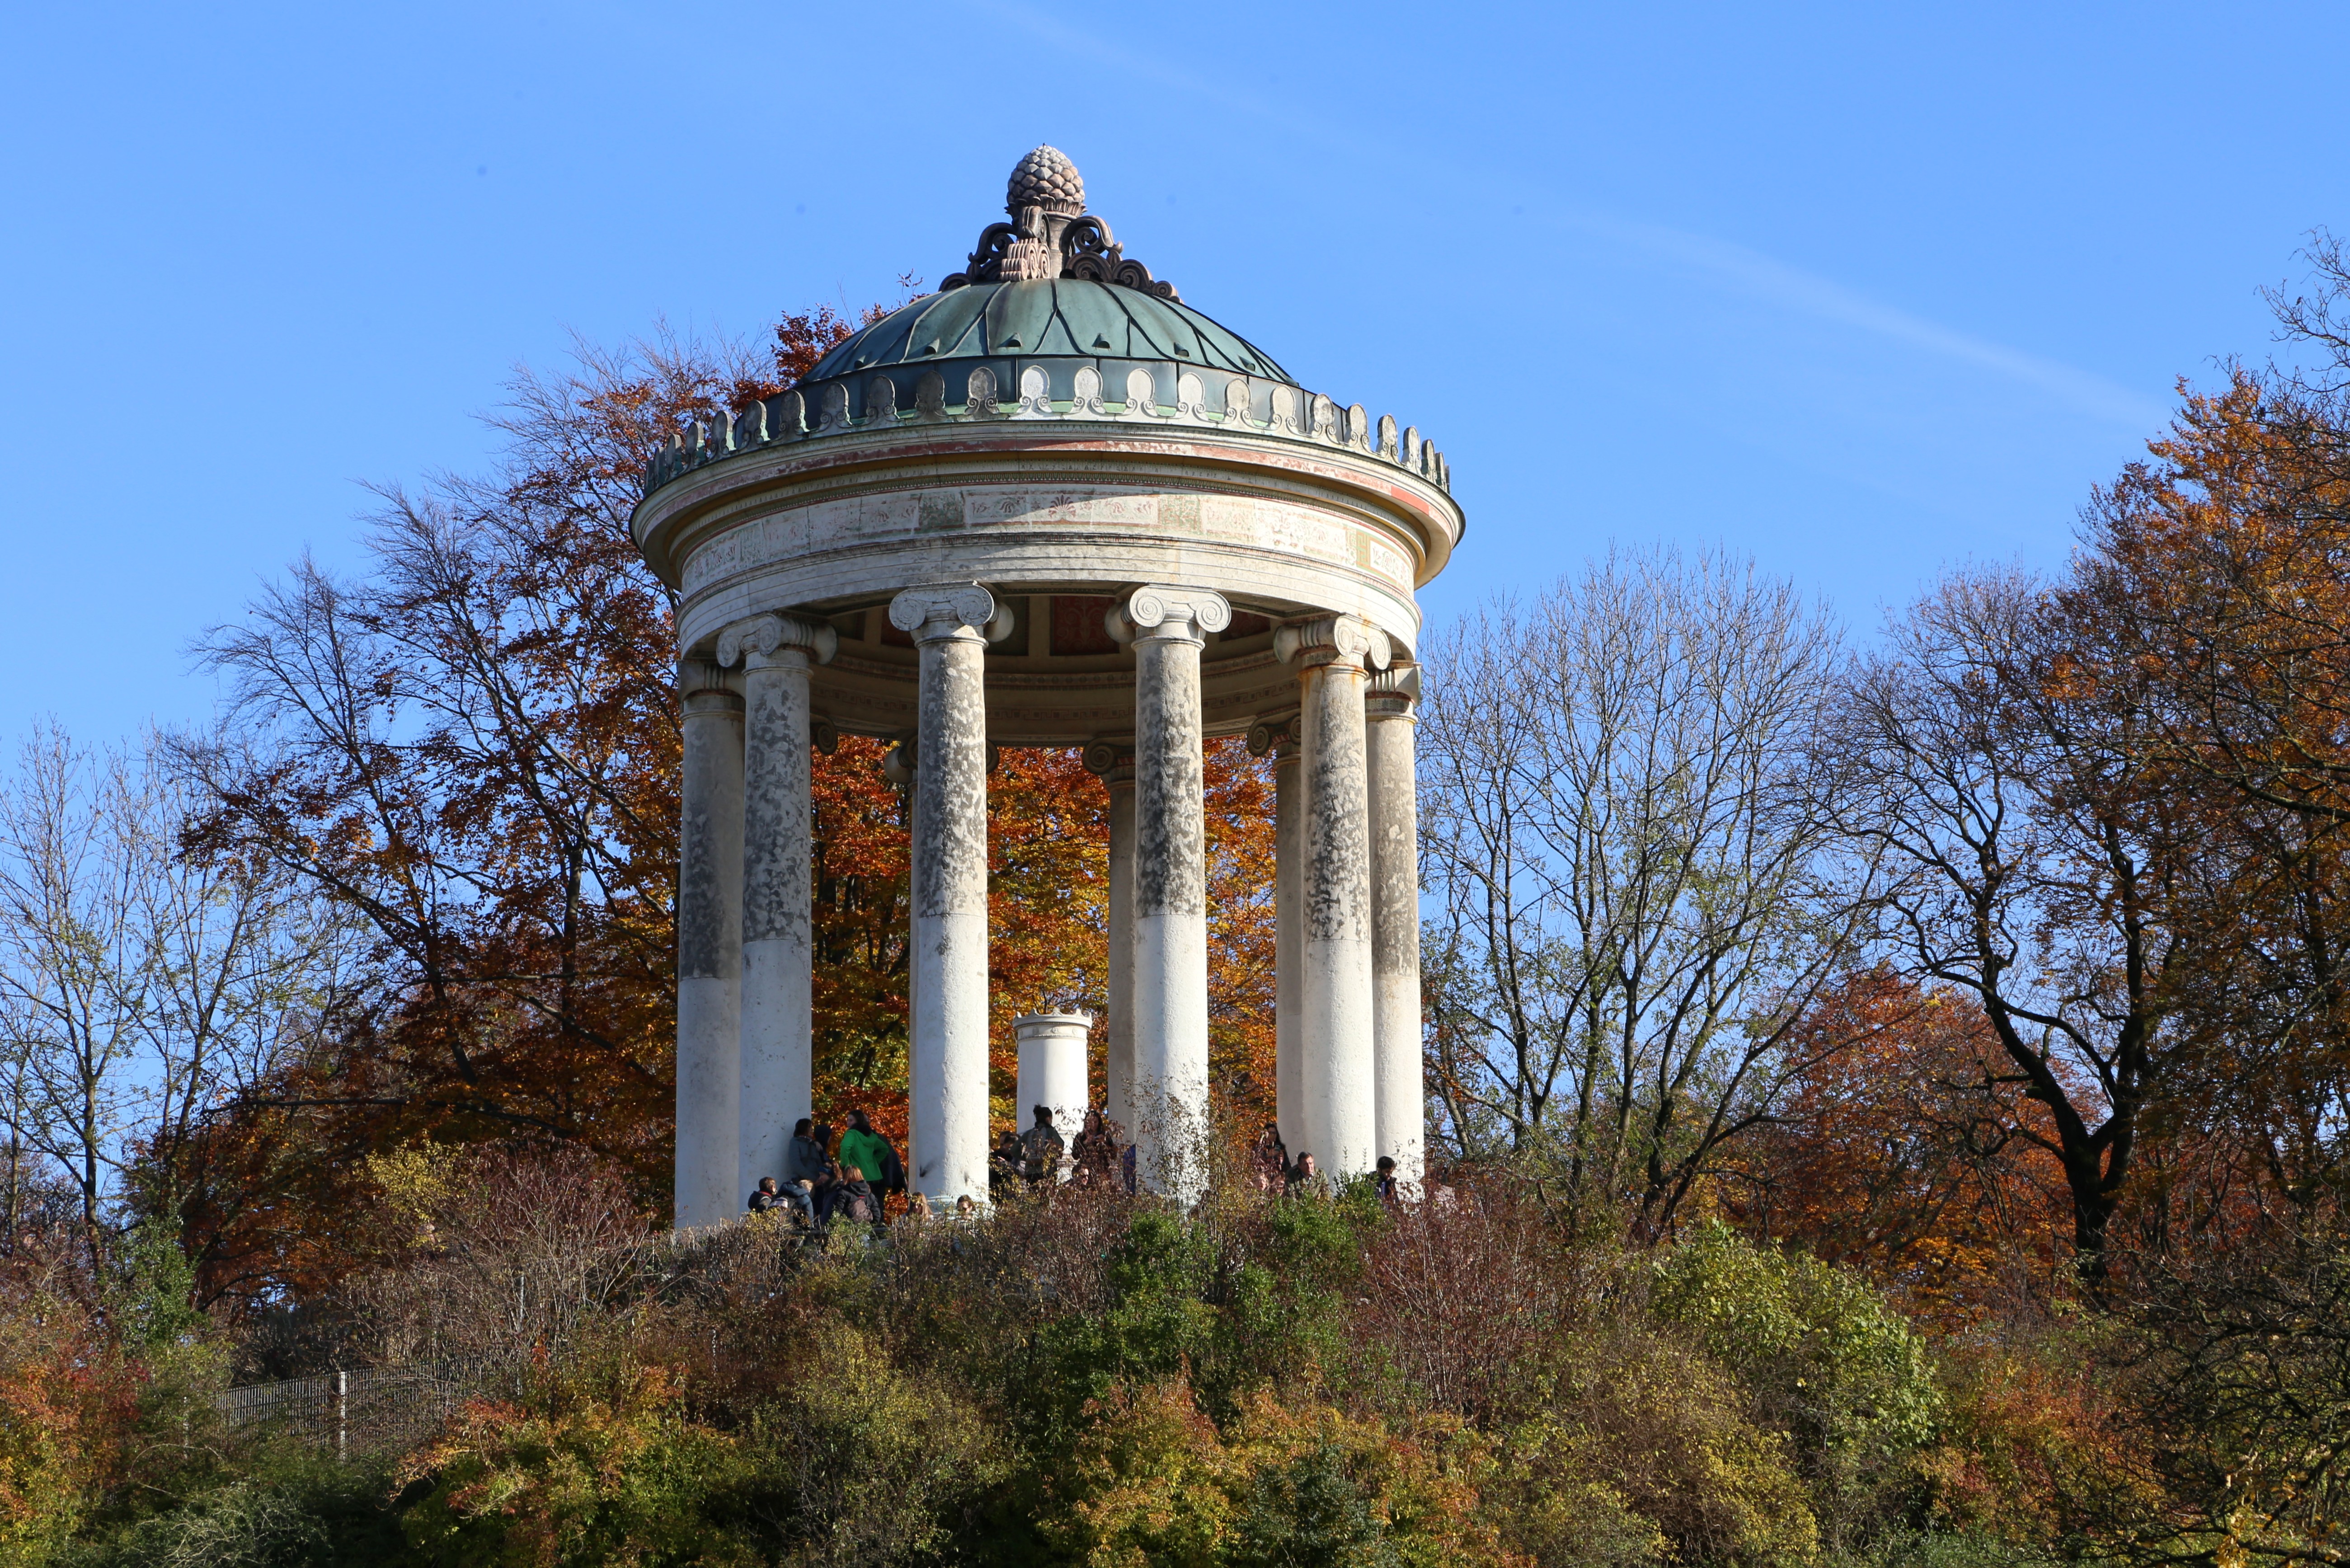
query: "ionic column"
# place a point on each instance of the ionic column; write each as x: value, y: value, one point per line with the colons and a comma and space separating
x: 1171, y: 885
x: 947, y: 1072
x: 709, y: 949
x: 775, y: 651
x: 1114, y: 765
x: 1401, y: 1101
x: 1279, y: 736
x: 1338, y: 1115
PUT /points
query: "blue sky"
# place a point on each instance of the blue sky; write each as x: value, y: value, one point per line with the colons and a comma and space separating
x: 1864, y: 291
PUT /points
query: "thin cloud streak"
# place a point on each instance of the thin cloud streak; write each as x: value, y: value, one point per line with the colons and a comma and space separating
x: 1747, y: 271
x: 1765, y: 277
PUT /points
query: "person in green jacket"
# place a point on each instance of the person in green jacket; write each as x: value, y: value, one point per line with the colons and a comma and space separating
x: 861, y: 1146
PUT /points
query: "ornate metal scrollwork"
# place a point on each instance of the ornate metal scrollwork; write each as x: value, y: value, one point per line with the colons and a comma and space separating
x: 986, y: 258
x: 1047, y: 238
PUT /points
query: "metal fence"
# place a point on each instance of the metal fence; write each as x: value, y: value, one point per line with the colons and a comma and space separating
x: 368, y: 1409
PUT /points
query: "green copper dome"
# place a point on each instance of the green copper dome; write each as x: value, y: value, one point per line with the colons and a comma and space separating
x: 1064, y: 317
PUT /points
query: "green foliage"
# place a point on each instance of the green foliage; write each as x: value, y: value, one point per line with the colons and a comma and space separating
x: 1156, y: 1323
x: 1926, y: 1549
x: 149, y: 1290
x: 863, y: 1463
x: 303, y: 1514
x: 1095, y: 1383
x: 1822, y: 1355
x: 1643, y: 1419
x: 1154, y: 1481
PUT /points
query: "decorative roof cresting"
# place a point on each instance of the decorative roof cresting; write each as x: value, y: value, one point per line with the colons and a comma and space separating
x: 1051, y: 234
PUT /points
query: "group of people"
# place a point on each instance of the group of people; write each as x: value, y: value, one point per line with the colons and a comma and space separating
x: 1040, y: 1155
x: 822, y: 1183
x: 1276, y: 1171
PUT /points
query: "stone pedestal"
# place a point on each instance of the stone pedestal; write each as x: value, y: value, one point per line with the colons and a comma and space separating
x: 1052, y: 1070
x: 948, y: 1070
x: 708, y: 951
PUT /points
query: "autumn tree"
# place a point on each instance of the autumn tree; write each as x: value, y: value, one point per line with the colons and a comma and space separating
x: 1626, y: 825
x: 1904, y: 1148
x: 472, y: 748
x: 2214, y: 586
x: 2117, y: 802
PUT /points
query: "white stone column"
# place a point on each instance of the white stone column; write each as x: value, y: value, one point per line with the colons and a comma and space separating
x: 1168, y: 626
x: 1279, y: 736
x: 1113, y: 763
x: 1053, y: 1070
x: 775, y: 651
x: 709, y: 949
x: 948, y: 1067
x: 1338, y: 1111
x: 1396, y: 1070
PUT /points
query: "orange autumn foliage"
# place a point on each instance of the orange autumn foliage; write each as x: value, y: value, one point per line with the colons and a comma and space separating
x: 1048, y: 896
x: 1910, y: 1154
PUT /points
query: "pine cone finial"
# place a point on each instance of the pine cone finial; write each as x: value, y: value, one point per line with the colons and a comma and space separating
x: 1045, y: 177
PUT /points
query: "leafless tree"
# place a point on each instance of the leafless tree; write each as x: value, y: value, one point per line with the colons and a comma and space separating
x: 138, y: 985
x: 1637, y: 889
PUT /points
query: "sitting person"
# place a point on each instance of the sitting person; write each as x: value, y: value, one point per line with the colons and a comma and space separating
x: 765, y: 1199
x: 853, y: 1198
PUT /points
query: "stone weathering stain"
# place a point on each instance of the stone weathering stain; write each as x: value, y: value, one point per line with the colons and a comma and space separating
x: 1050, y: 504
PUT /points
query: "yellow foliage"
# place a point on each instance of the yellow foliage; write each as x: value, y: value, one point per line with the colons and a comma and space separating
x: 415, y: 1182
x: 1158, y: 1486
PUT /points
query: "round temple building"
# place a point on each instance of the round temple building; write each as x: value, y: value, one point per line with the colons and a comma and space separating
x: 1051, y: 504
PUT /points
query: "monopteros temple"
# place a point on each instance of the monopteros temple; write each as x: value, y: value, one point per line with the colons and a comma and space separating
x: 1050, y: 505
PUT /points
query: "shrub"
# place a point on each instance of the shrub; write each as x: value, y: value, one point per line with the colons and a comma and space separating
x: 1824, y: 1357
x: 1654, y: 1423
x: 299, y: 1514
x: 69, y: 1404
x: 1155, y: 1484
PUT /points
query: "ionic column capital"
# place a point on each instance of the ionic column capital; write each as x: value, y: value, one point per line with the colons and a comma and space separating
x: 700, y: 678
x: 1393, y: 693
x: 1276, y: 735
x: 950, y: 612
x: 1158, y: 612
x: 1112, y: 762
x: 775, y: 637
x: 1347, y: 641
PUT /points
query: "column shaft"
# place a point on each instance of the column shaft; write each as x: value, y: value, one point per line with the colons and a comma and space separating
x: 1115, y: 764
x: 1288, y: 893
x: 1335, y: 1069
x: 948, y: 1069
x: 1401, y: 1099
x: 709, y: 953
x: 1170, y: 887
